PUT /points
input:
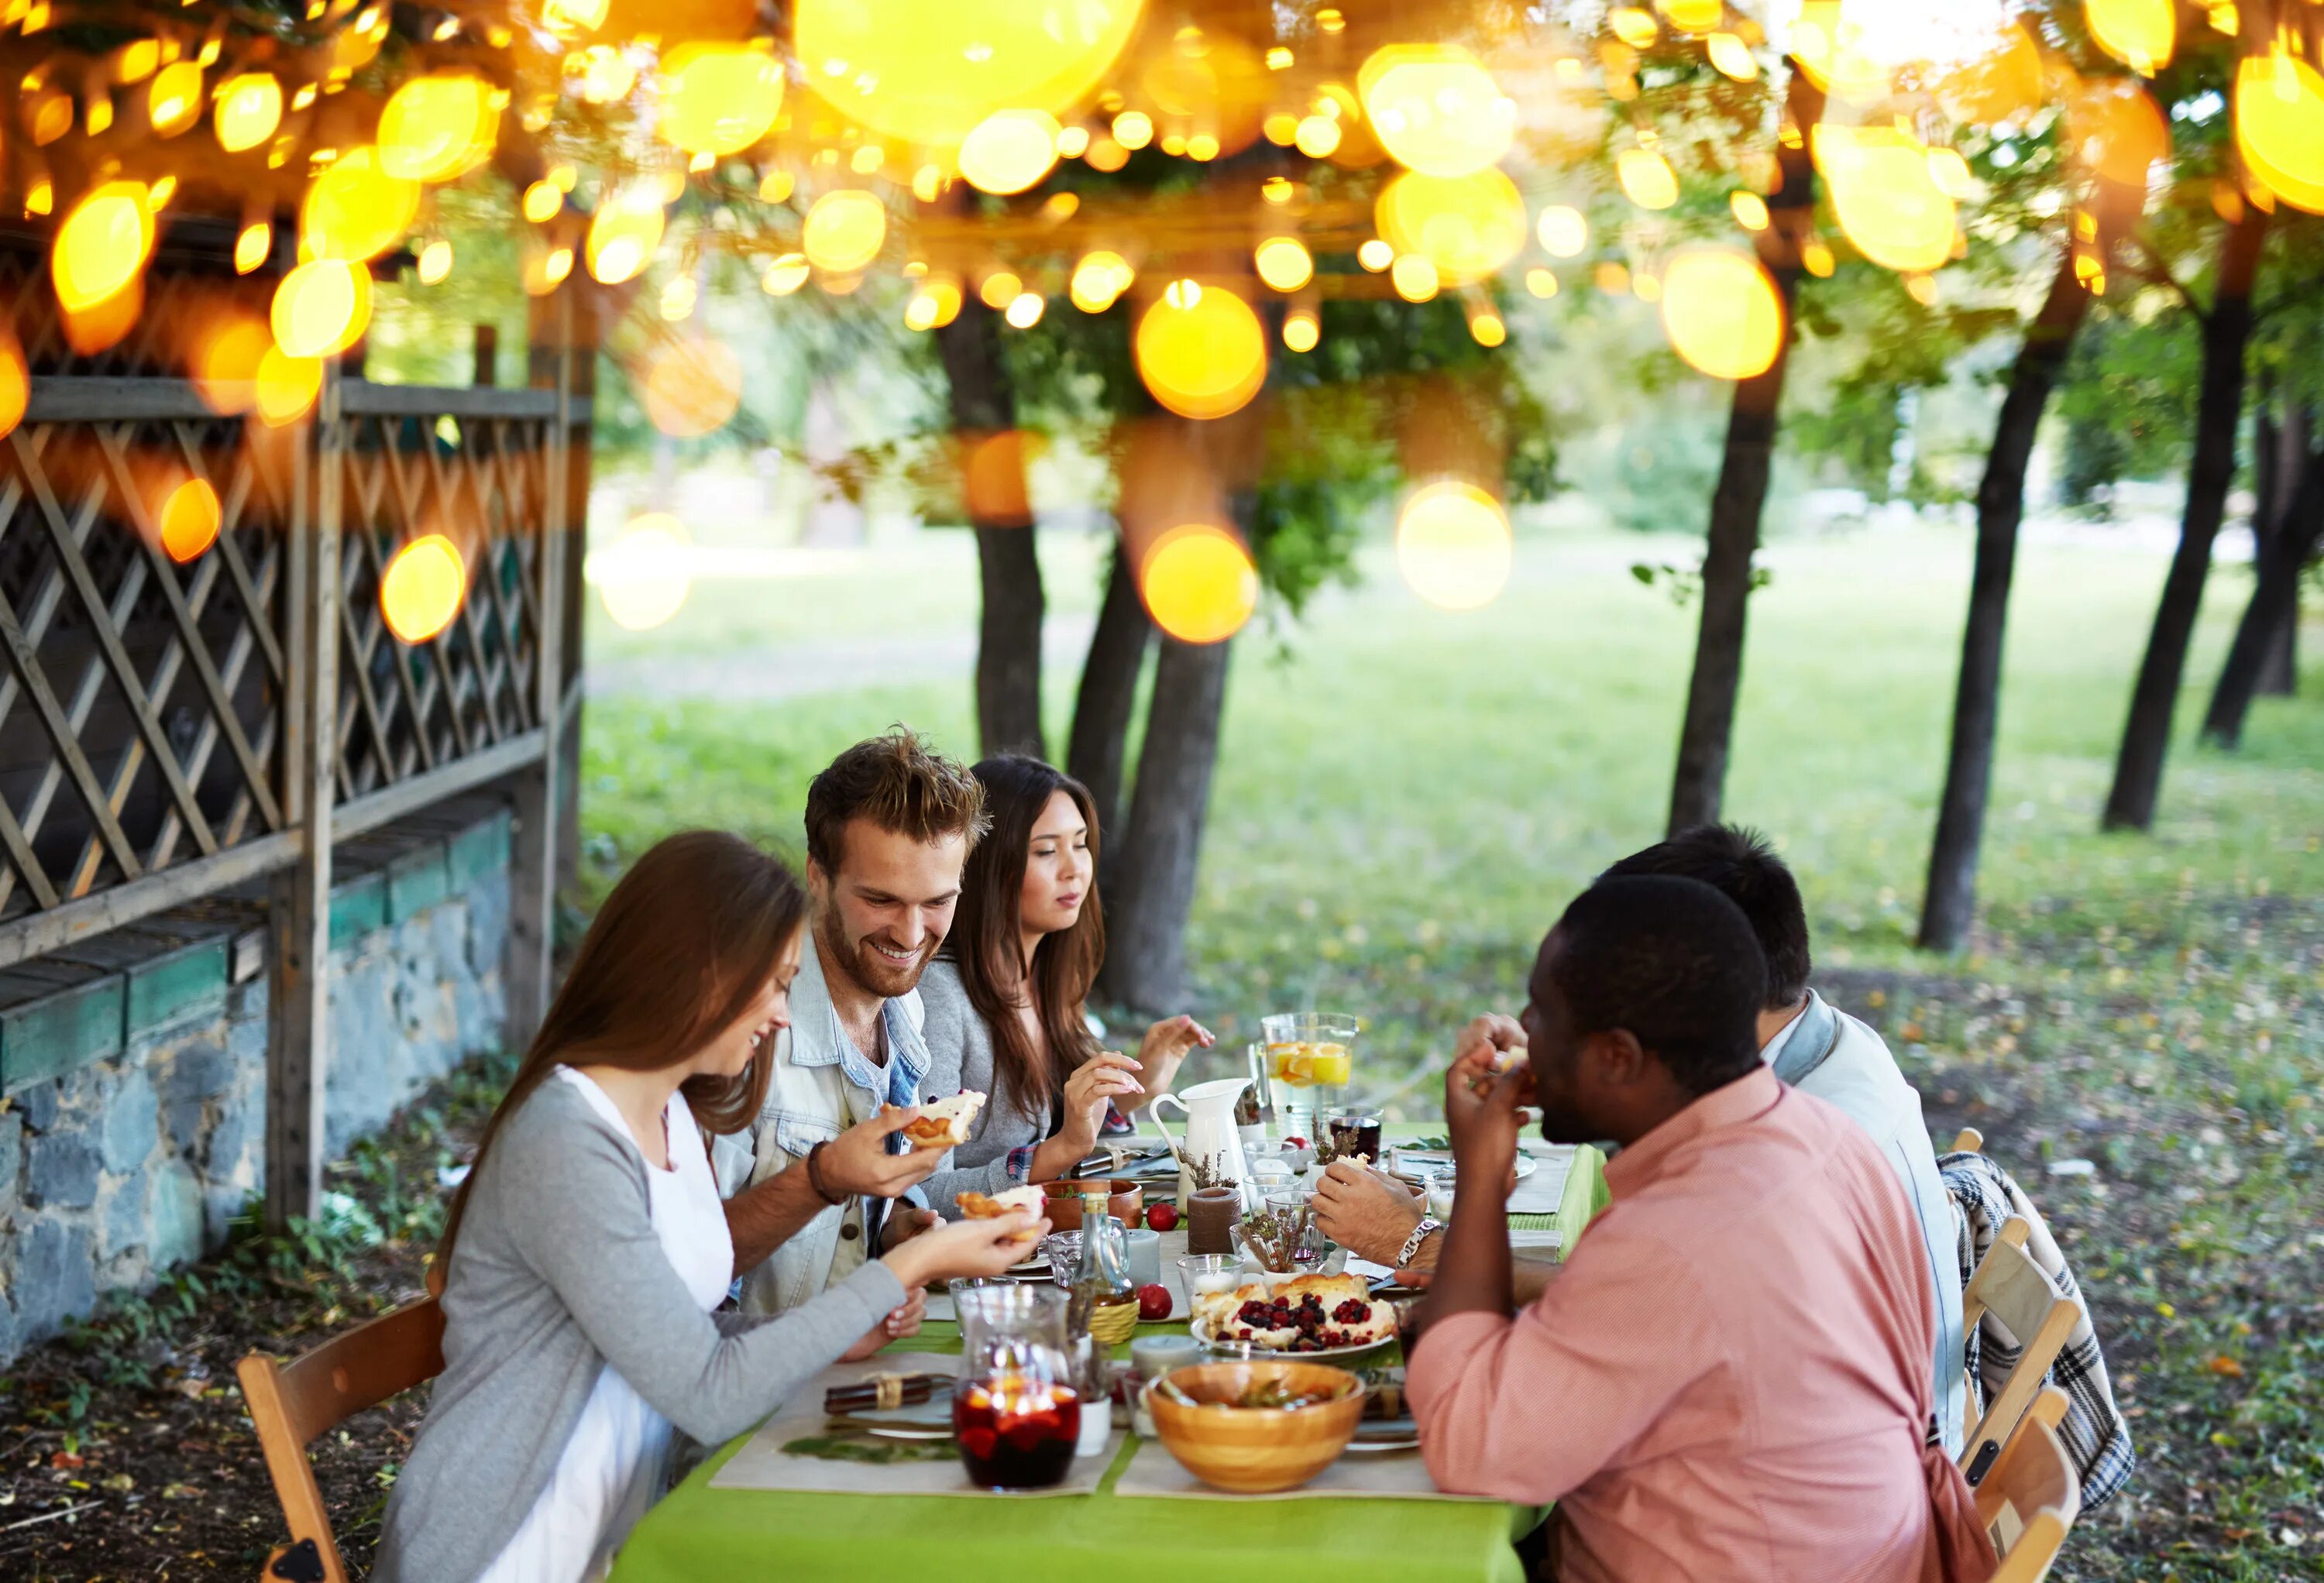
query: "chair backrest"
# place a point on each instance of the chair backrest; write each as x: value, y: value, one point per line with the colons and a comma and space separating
x: 2029, y: 1503
x: 1968, y: 1140
x: 292, y: 1403
x: 2011, y: 1287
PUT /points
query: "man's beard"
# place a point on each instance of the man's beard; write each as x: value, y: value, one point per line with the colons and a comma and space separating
x: 872, y: 972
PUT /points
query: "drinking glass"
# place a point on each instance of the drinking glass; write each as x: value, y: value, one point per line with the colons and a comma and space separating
x: 1355, y: 1132
x: 1015, y: 1411
x: 1308, y: 1056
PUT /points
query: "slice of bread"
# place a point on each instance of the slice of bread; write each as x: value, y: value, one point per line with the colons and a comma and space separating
x: 976, y: 1206
x: 942, y: 1124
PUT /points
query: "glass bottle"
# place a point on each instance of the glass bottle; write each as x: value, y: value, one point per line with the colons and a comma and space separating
x: 1104, y: 1298
x: 1015, y: 1411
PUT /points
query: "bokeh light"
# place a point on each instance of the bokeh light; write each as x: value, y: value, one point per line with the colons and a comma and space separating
x: 1024, y: 310
x: 252, y: 245
x: 717, y: 98
x: 1199, y: 583
x: 691, y: 387
x: 1010, y: 150
x: 2115, y: 130
x: 189, y: 520
x: 439, y: 127
x: 1284, y: 262
x: 1201, y: 350
x: 2139, y: 33
x: 1722, y: 312
x: 1436, y: 108
x: 1414, y: 277
x: 642, y: 576
x: 936, y: 304
x: 623, y: 232
x: 15, y: 383
x: 174, y: 102
x: 102, y: 246
x: 355, y: 209
x: 249, y: 109
x: 1099, y: 280
x: 2280, y: 125
x: 1562, y: 231
x: 1883, y: 194
x: 1453, y: 546
x: 1375, y: 255
x: 845, y: 230
x: 420, y: 591
x: 1301, y: 329
x: 1466, y: 227
x: 226, y: 362
x: 322, y: 307
x: 286, y: 387
x: 785, y: 275
x: 1647, y: 177
x: 926, y: 71
x: 994, y: 480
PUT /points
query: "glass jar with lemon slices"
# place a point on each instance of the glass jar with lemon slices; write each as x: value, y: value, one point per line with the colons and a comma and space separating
x: 1308, y: 1057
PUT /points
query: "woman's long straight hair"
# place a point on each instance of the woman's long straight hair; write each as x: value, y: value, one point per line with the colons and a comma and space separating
x: 987, y: 945
x: 685, y: 944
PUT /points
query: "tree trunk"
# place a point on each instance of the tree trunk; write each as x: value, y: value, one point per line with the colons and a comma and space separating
x: 2274, y: 605
x: 1741, y: 495
x: 1146, y: 922
x: 1096, y: 751
x: 2279, y: 670
x: 1009, y: 630
x: 2146, y: 734
x: 1951, y: 903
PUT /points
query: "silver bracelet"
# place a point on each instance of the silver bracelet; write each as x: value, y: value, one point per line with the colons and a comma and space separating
x: 1429, y: 1226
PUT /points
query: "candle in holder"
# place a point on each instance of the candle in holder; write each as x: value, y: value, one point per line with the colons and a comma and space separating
x: 1210, y: 1216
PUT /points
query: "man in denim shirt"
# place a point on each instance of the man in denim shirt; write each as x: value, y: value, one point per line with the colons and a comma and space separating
x: 889, y: 827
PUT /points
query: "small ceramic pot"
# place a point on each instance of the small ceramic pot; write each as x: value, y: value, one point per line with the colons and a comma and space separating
x: 1125, y: 1201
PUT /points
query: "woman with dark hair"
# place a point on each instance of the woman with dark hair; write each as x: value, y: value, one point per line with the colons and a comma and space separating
x: 587, y: 1247
x: 1004, y: 1001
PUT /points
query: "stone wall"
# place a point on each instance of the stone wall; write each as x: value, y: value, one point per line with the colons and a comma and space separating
x: 127, y: 1164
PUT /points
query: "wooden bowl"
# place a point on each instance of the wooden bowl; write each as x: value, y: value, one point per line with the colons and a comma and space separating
x: 1255, y: 1450
x: 1125, y: 1201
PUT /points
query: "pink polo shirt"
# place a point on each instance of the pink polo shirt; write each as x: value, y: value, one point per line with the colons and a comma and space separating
x: 1730, y: 1378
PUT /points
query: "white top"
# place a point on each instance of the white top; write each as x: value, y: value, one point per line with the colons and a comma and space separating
x: 612, y: 1469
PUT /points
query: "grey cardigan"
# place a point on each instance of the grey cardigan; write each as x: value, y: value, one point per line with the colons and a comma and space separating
x: 960, y: 1056
x: 558, y: 1275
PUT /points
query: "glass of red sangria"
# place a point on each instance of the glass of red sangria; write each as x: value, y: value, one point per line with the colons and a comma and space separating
x: 1015, y: 1412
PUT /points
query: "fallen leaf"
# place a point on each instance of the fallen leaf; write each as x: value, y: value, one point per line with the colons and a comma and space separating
x: 120, y: 1484
x: 65, y: 1460
x: 2228, y: 1367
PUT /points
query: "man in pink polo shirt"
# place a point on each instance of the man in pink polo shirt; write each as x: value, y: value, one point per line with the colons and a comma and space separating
x: 1730, y: 1378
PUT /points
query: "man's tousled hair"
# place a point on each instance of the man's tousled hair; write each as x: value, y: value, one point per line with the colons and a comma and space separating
x: 1671, y: 962
x: 894, y: 782
x: 1741, y: 865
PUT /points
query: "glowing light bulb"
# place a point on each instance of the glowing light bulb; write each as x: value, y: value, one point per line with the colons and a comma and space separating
x: 998, y: 290
x: 422, y: 590
x: 1722, y: 312
x: 1301, y: 330
x: 1316, y: 136
x: 1199, y: 583
x: 1133, y: 129
x: 1414, y: 277
x: 1201, y: 350
x: 252, y: 245
x: 1453, y: 546
x: 1375, y: 255
x: 1024, y: 310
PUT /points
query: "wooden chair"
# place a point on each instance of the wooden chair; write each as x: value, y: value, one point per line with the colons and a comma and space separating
x: 1968, y: 1140
x: 292, y: 1403
x: 2029, y: 1503
x: 2009, y: 1286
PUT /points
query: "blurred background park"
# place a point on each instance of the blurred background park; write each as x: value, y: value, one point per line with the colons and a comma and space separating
x: 1403, y: 459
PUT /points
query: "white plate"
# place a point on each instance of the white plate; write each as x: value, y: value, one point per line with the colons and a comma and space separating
x: 1198, y: 1331
x: 1441, y: 1160
x: 1387, y: 1434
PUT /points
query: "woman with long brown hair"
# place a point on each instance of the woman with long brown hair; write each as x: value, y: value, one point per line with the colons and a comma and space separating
x: 587, y: 1247
x: 1005, y: 1000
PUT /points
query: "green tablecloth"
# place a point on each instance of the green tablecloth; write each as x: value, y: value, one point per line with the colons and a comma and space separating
x: 699, y: 1533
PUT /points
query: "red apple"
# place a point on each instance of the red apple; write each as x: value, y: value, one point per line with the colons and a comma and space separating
x: 1154, y: 1302
x: 1161, y: 1217
x: 1295, y: 1143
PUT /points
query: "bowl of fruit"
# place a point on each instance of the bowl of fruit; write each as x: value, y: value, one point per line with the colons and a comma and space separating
x: 1257, y: 1427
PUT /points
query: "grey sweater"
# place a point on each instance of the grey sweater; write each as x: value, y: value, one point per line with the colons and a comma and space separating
x: 558, y: 1275
x: 960, y: 1056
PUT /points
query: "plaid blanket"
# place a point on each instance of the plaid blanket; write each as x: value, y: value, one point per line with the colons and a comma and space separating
x: 2093, y: 1432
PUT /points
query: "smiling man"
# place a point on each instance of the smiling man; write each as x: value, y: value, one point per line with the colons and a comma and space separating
x: 810, y: 1187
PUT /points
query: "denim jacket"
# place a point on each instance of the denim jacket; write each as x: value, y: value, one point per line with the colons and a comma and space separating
x: 821, y: 1086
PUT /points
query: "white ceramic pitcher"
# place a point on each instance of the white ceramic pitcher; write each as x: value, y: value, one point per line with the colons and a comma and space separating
x: 1210, y: 1133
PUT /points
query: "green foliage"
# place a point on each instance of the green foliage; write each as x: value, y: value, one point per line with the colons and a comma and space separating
x: 2128, y: 401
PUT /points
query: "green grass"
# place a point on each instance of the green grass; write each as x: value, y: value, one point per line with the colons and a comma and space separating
x: 1405, y: 799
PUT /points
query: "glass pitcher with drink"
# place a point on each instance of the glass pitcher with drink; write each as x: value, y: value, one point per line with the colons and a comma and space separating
x: 1015, y: 1412
x: 1308, y: 1054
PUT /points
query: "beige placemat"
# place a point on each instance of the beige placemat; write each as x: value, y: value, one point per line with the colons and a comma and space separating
x: 1173, y: 1247
x: 1153, y: 1471
x: 761, y: 1463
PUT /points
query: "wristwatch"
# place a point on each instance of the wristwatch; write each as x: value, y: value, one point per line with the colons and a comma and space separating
x: 1429, y: 1226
